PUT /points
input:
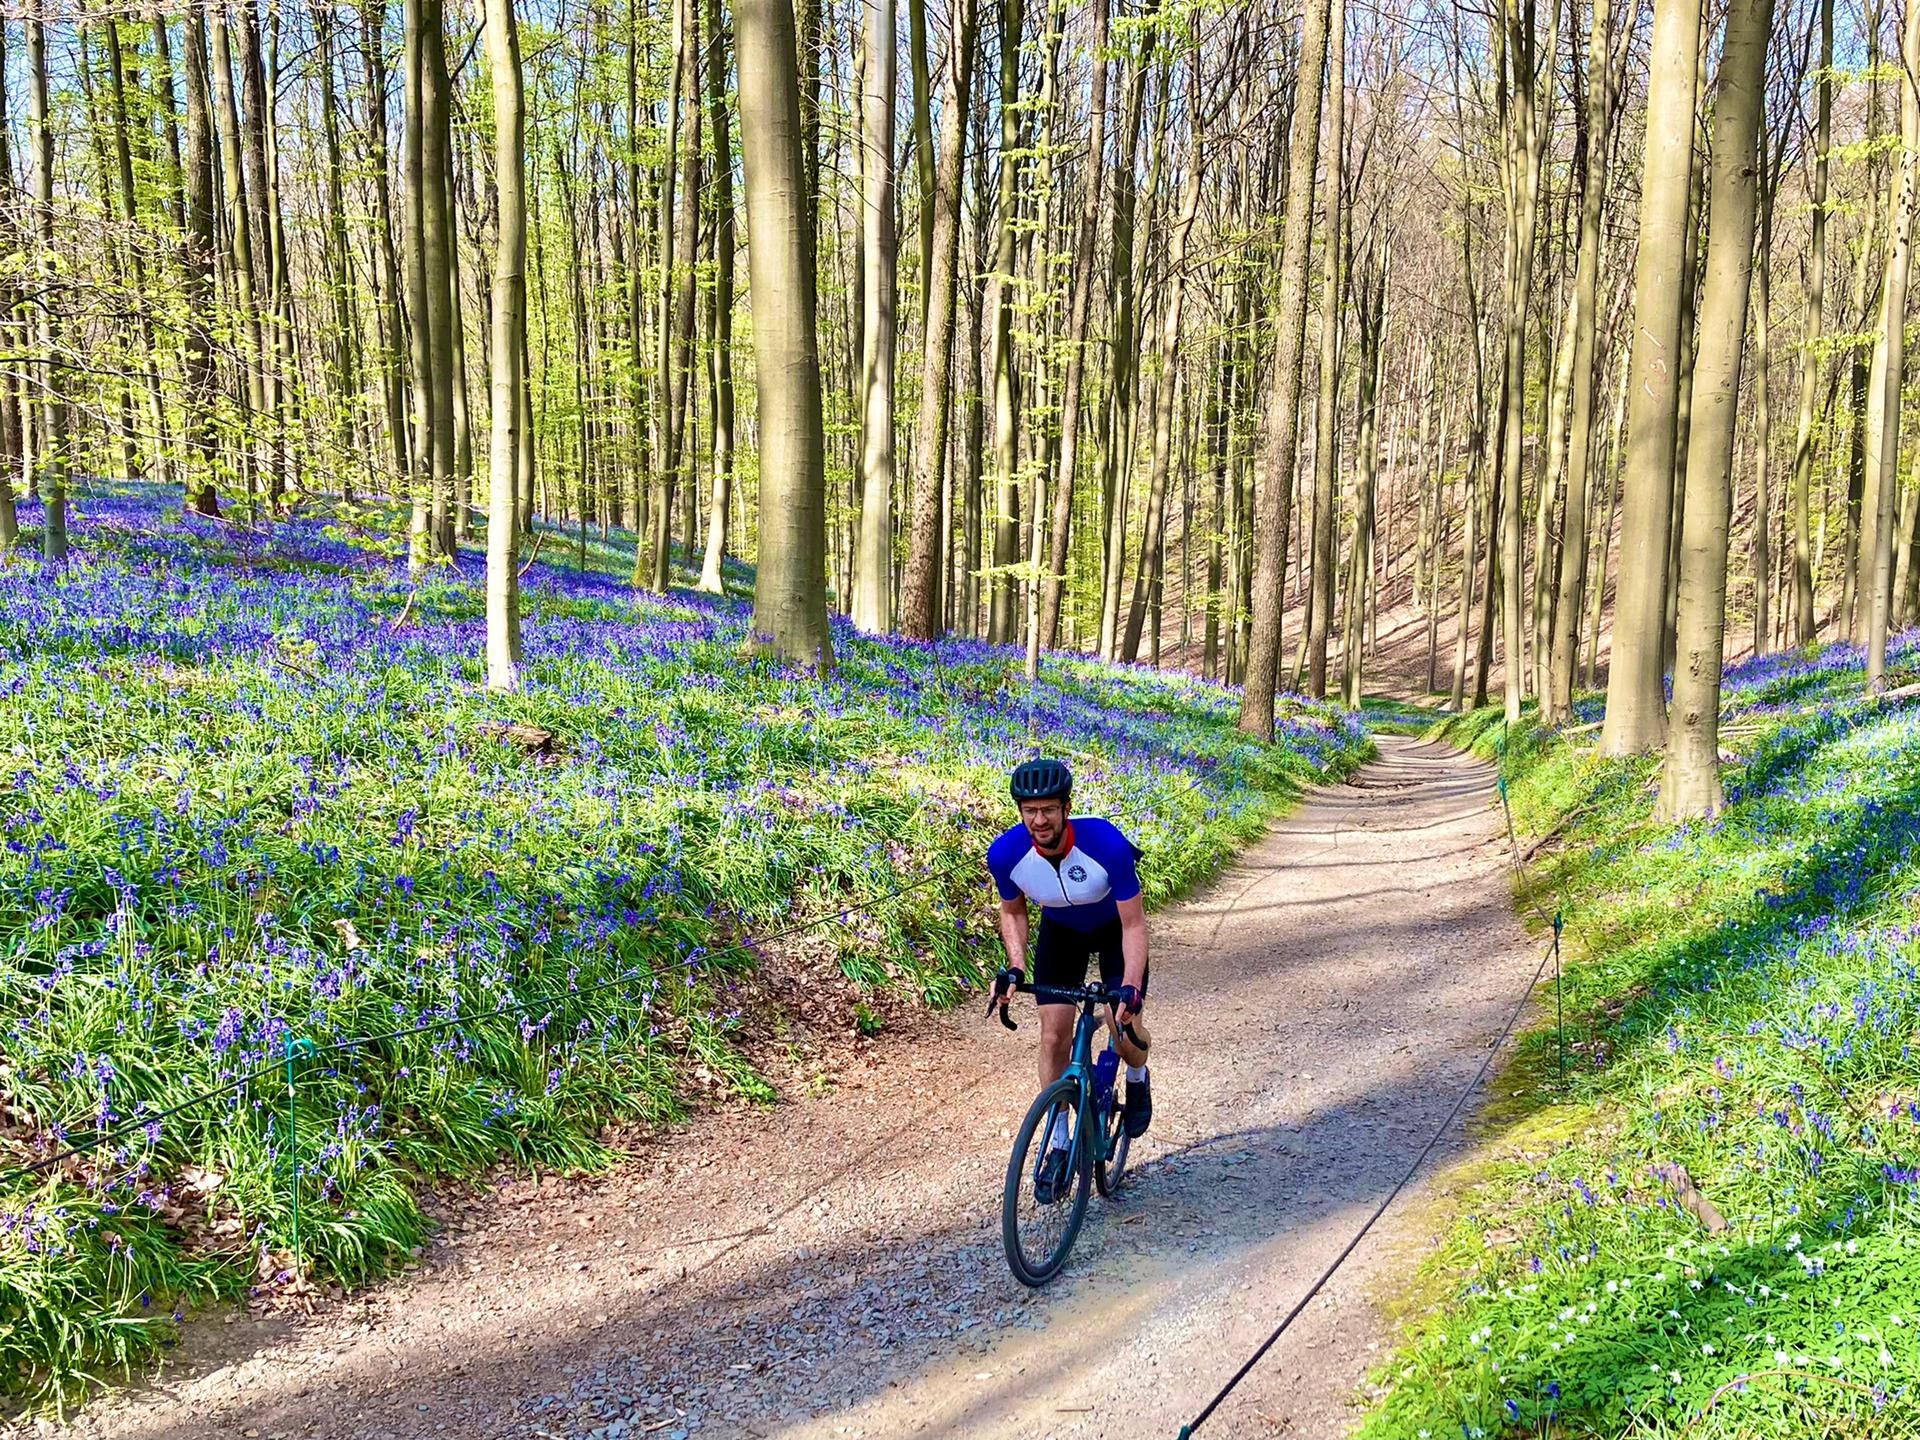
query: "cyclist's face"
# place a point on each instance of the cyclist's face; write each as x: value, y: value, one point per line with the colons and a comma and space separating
x: 1045, y: 821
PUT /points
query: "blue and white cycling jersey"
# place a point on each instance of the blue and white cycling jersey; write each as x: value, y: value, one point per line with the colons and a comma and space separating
x: 1082, y: 889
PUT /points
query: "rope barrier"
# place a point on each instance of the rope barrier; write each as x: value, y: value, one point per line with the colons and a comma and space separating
x: 1552, y: 954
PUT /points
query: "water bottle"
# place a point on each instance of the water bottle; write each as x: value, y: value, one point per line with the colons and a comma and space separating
x: 1106, y: 1068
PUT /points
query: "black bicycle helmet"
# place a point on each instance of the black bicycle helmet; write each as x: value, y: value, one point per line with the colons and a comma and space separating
x: 1042, y: 780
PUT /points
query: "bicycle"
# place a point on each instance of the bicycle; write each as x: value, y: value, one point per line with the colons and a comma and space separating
x: 1039, y: 1233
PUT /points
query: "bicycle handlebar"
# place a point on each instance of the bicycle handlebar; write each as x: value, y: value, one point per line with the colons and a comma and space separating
x: 1094, y: 994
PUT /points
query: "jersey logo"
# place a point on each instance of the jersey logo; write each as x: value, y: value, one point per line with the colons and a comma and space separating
x: 1076, y: 872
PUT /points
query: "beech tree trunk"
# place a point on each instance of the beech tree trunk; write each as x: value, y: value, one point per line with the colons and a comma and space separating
x: 921, y: 586
x: 509, y: 304
x: 790, y: 590
x: 1690, y: 783
x: 873, y: 565
x: 1636, y: 693
x: 1283, y: 415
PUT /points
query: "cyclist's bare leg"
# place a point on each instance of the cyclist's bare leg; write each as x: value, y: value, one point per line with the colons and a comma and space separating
x: 1131, y: 1053
x: 1056, y: 1041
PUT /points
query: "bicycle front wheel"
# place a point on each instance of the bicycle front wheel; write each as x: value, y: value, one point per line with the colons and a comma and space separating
x: 1046, y: 1199
x: 1108, y: 1174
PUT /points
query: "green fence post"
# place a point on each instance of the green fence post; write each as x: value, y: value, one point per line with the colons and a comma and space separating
x: 1559, y: 997
x: 297, y: 1049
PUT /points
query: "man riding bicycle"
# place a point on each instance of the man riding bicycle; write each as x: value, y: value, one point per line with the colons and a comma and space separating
x: 1081, y: 874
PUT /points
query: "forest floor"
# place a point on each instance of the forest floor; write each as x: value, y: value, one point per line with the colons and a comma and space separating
x: 833, y: 1267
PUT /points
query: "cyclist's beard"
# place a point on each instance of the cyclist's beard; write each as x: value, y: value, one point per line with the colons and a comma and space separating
x: 1050, y: 839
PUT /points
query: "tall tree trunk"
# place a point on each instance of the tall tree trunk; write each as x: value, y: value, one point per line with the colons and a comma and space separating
x: 197, y: 252
x: 1367, y: 456
x: 420, y: 530
x: 52, y: 453
x: 1592, y: 146
x: 437, y: 243
x: 721, y: 361
x: 508, y: 331
x: 242, y: 243
x: 1636, y: 693
x: 12, y: 441
x: 137, y: 267
x: 789, y: 597
x: 388, y: 324
x: 1614, y: 482
x: 1326, y: 471
x: 266, y: 263
x: 1883, y: 408
x: 1006, y: 438
x: 879, y: 256
x: 1810, y: 363
x: 1079, y: 305
x: 1124, y: 369
x: 1283, y: 417
x: 921, y: 585
x: 679, y: 216
x: 1174, y: 297
x: 343, y: 352
x: 923, y: 140
x: 1763, y: 421
x: 1526, y: 140
x: 1690, y: 784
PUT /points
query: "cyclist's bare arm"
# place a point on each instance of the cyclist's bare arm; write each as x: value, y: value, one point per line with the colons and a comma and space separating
x: 1133, y: 956
x: 1014, y: 931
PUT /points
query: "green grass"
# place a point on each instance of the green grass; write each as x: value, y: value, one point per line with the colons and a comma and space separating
x: 1742, y: 1003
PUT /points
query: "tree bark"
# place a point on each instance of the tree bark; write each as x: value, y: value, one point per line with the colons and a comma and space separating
x: 1006, y: 438
x: 1174, y: 298
x: 879, y: 257
x: 1690, y: 783
x: 721, y: 362
x: 1326, y: 470
x: 1591, y: 148
x: 1079, y: 306
x: 1283, y: 420
x: 508, y: 329
x: 197, y: 252
x: 1810, y: 364
x: 789, y: 597
x: 1883, y: 407
x: 52, y: 452
x: 921, y: 586
x: 1636, y: 693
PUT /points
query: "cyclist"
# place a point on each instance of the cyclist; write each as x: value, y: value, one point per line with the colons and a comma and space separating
x: 1080, y: 873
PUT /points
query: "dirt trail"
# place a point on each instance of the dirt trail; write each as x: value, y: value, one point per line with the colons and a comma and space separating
x: 835, y: 1269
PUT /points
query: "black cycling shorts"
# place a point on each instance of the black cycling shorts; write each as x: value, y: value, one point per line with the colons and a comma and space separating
x: 1061, y: 953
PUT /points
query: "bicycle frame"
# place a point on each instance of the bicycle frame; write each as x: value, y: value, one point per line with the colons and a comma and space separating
x: 1089, y: 998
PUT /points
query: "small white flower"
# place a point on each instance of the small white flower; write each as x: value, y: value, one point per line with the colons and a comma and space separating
x: 1886, y: 1358
x: 1706, y: 1349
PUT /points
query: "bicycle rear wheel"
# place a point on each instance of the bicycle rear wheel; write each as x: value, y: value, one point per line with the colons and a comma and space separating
x: 1039, y: 1232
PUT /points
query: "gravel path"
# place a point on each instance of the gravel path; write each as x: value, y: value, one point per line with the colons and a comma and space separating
x: 834, y: 1268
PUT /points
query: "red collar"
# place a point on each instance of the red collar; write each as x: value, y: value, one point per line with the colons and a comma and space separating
x: 1066, y: 843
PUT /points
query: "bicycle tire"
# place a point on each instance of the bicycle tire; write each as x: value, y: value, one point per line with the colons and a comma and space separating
x: 1055, y: 1225
x: 1110, y: 1173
